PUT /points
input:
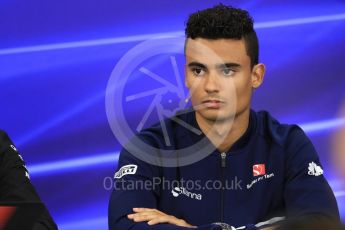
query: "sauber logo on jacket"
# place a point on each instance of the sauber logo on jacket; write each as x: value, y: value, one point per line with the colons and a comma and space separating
x: 126, y: 169
x: 259, y: 169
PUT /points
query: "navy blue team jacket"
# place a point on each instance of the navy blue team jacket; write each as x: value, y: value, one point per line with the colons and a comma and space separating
x: 270, y: 174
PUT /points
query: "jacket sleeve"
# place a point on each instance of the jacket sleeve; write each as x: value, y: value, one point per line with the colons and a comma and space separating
x: 134, y: 186
x: 15, y: 183
x: 307, y: 193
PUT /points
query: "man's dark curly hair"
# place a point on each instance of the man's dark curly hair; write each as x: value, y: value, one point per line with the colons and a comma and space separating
x: 225, y: 22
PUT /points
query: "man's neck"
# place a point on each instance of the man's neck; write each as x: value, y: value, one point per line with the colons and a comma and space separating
x: 223, y: 134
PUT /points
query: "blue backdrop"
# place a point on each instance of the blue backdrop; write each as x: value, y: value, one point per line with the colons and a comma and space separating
x: 56, y: 58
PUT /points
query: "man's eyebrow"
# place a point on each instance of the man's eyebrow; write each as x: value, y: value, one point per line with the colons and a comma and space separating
x: 219, y: 66
x: 196, y: 64
x: 228, y: 65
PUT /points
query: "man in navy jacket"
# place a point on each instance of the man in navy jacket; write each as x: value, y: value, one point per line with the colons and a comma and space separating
x: 259, y: 172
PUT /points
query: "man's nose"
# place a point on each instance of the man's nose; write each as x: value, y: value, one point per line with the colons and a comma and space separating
x: 211, y: 83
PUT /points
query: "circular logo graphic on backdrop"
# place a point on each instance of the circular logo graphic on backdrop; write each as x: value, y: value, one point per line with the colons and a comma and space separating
x: 166, y: 101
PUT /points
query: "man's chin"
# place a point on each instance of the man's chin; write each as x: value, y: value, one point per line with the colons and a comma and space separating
x: 216, y: 115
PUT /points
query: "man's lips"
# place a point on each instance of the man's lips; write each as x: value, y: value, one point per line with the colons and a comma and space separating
x: 212, y: 103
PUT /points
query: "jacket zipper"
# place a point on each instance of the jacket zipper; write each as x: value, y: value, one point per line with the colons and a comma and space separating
x: 223, y: 166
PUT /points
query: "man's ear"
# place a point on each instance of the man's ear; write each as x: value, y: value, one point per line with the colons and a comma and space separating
x: 258, y: 74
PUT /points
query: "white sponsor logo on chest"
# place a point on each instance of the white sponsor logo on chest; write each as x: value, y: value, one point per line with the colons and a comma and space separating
x: 177, y: 191
x: 125, y: 170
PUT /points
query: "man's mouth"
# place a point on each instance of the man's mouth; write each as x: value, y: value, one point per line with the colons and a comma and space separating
x: 212, y: 103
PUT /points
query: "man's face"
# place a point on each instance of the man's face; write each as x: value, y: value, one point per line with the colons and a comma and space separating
x: 219, y: 77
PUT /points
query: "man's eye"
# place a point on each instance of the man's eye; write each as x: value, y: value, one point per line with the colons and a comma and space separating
x: 198, y: 71
x: 228, y: 72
